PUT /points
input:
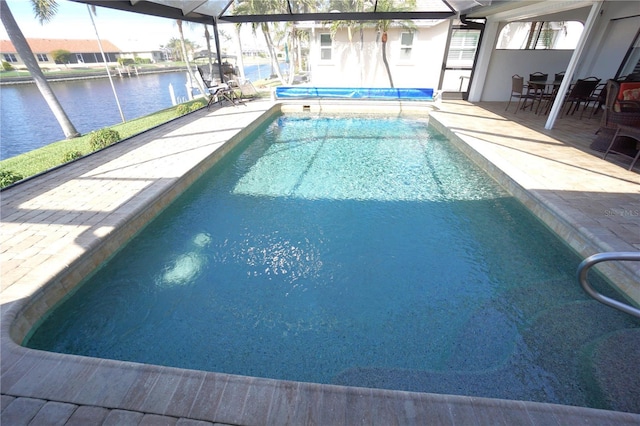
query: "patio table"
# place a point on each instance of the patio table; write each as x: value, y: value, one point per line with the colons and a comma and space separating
x: 542, y: 90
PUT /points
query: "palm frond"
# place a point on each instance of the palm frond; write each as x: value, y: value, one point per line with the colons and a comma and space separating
x: 44, y: 10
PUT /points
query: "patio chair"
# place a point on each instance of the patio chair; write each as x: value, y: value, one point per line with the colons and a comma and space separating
x: 622, y: 105
x: 626, y: 142
x: 580, y: 93
x: 218, y: 92
x: 538, y: 88
x: 247, y: 89
x: 596, y: 100
x: 549, y: 97
x: 520, y: 91
x: 538, y: 76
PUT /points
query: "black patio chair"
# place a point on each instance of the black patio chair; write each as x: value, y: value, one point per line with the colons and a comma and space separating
x: 217, y: 92
x: 580, y: 93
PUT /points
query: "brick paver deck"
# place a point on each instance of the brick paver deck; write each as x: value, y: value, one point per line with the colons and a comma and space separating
x: 57, y: 227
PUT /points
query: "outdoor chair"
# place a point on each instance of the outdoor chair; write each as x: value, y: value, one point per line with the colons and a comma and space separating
x: 217, y: 92
x: 597, y: 99
x: 538, y: 76
x: 622, y: 105
x: 519, y: 91
x: 549, y: 97
x: 621, y: 108
x: 538, y: 88
x: 626, y: 142
x: 580, y: 93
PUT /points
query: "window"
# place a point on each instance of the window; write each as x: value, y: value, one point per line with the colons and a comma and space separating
x: 325, y: 47
x: 406, y: 44
x: 42, y: 57
x: 10, y: 57
x: 539, y: 35
x: 462, y: 48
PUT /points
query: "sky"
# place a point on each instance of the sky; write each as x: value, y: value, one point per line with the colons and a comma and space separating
x: 128, y: 31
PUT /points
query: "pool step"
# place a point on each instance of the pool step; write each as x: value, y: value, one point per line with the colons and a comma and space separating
x: 580, y: 328
x: 614, y: 355
x: 606, y: 343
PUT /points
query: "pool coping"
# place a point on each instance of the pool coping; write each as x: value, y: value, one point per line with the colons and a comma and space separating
x: 216, y: 397
x: 550, y: 206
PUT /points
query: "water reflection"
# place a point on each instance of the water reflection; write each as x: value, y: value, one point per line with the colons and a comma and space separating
x: 186, y: 266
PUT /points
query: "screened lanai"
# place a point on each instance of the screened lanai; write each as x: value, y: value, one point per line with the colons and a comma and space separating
x: 485, y: 16
x: 204, y: 11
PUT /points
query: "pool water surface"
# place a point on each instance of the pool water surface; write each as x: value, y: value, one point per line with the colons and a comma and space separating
x: 354, y: 250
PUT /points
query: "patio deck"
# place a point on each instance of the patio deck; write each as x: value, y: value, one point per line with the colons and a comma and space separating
x: 57, y: 227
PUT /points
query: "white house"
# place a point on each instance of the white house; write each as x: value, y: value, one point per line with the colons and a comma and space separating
x: 586, y: 38
x: 414, y: 56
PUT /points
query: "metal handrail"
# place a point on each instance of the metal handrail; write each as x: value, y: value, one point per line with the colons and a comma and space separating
x: 590, y: 261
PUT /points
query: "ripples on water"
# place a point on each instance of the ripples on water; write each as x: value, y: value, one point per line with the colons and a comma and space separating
x: 363, y: 252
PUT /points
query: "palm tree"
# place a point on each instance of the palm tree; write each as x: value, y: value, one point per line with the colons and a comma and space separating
x: 207, y: 37
x: 44, y: 11
x: 336, y: 25
x: 175, y: 47
x: 383, y: 26
x: 293, y: 42
x: 346, y: 5
x: 186, y: 58
x: 238, y: 26
x: 261, y: 7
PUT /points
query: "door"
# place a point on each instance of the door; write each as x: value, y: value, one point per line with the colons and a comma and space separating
x: 460, y: 59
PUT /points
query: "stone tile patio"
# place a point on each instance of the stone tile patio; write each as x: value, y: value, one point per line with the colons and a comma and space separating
x: 59, y: 226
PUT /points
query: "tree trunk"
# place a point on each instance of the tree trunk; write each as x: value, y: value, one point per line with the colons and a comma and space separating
x: 384, y: 57
x: 186, y: 60
x: 292, y: 65
x: 240, y: 57
x: 207, y: 37
x: 26, y: 54
x: 272, y: 52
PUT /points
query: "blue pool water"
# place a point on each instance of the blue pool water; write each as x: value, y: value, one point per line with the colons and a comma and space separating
x: 354, y: 250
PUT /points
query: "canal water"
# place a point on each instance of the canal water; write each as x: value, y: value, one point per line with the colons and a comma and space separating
x: 27, y: 123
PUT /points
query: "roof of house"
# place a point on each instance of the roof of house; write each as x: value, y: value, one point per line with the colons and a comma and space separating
x: 48, y: 45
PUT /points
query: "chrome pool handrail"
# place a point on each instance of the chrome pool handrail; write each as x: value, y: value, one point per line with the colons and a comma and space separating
x: 583, y: 270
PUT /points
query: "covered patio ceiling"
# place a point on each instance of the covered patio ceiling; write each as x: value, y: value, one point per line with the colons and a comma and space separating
x: 206, y: 11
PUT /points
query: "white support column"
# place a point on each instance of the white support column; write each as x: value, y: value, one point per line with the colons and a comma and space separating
x: 484, y: 59
x: 573, y: 63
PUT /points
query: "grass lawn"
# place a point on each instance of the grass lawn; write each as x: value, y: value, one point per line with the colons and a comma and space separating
x: 56, y: 153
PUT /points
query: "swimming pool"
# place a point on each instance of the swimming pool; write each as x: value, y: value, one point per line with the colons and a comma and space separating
x: 288, y: 230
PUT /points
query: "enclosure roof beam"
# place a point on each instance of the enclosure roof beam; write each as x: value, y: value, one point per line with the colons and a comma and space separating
x: 344, y: 16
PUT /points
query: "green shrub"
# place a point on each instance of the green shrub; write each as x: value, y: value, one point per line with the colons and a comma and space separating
x: 61, y: 56
x: 103, y: 138
x: 7, y: 177
x: 196, y: 106
x: 71, y: 155
x: 182, y: 109
x: 6, y: 66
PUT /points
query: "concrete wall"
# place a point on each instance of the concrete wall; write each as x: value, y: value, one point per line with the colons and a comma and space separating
x: 505, y: 63
x: 617, y: 26
x: 604, y: 52
x: 356, y: 64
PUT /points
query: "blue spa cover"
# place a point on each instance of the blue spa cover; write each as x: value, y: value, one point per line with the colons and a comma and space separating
x: 298, y: 92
